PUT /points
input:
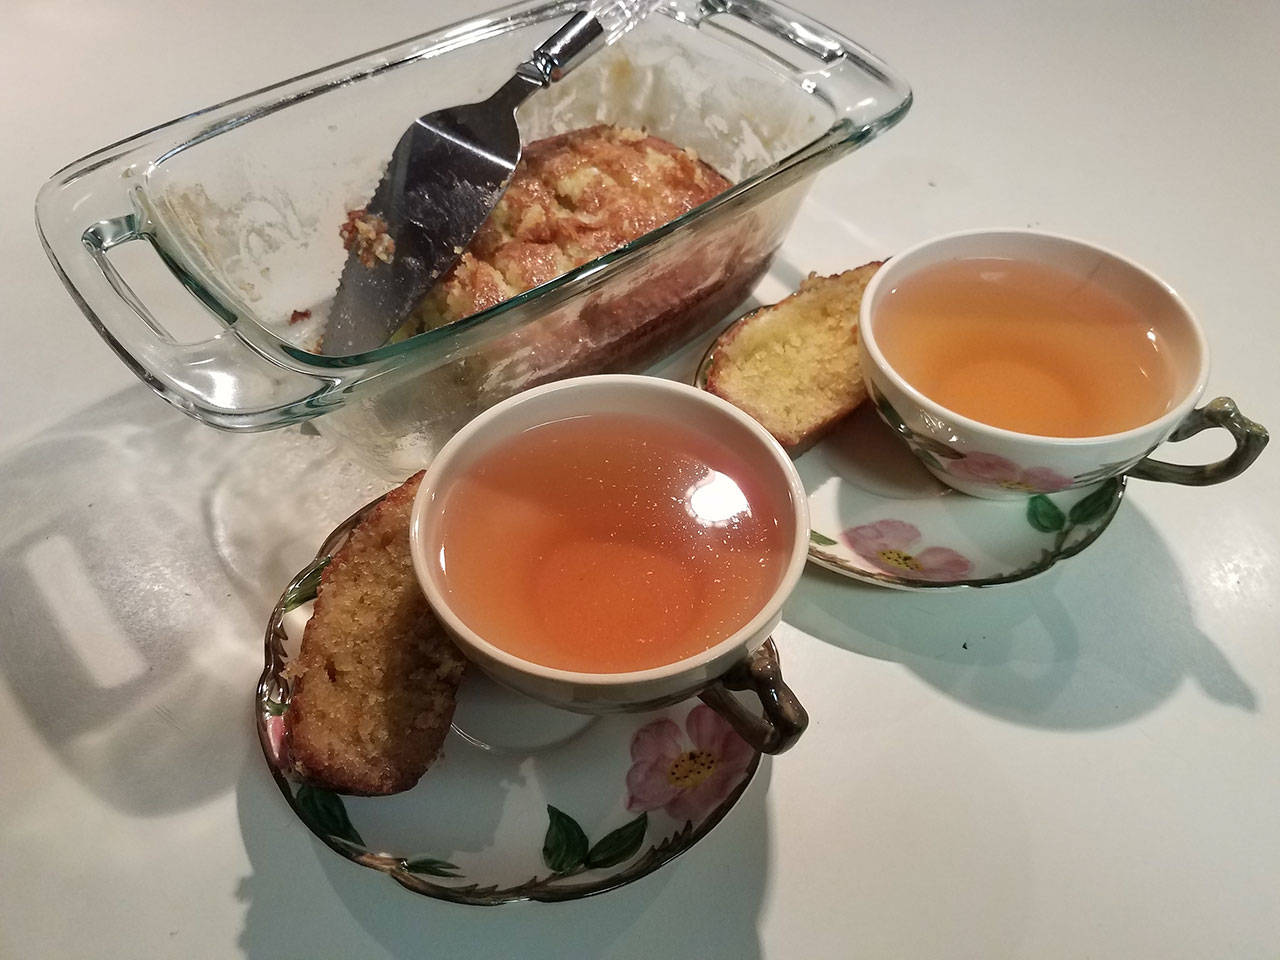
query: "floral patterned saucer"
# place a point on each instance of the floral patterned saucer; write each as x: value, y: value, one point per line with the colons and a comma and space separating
x: 525, y: 802
x: 878, y: 515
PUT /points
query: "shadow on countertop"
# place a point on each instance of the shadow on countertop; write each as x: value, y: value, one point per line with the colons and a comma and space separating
x: 1094, y: 642
x: 140, y: 554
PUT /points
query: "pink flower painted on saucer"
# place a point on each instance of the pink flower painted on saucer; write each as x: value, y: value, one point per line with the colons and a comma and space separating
x: 686, y: 778
x: 890, y: 545
x: 995, y: 470
x: 279, y: 745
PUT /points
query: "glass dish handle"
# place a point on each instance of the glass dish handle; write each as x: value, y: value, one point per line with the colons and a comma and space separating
x: 221, y: 379
x: 621, y: 15
x: 843, y: 63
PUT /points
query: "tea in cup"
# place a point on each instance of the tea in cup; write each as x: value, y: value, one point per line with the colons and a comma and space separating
x: 614, y: 543
x: 1017, y: 363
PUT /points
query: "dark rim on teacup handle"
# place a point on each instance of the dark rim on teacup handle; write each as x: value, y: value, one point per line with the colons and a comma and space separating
x: 783, y: 720
x: 1250, y: 438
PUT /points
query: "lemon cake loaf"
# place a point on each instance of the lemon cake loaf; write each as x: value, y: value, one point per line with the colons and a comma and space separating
x: 572, y: 198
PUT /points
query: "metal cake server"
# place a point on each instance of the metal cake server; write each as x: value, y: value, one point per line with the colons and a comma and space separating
x: 445, y: 176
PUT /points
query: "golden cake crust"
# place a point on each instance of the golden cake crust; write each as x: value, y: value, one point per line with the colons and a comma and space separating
x: 374, y: 684
x: 572, y: 198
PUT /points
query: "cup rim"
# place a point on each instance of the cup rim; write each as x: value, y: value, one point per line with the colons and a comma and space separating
x: 760, y: 622
x: 1170, y: 417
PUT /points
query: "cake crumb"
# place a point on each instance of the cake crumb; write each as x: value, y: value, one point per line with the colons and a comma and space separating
x: 366, y: 235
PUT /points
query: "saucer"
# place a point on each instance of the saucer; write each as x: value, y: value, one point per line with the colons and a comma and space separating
x: 878, y: 516
x: 550, y: 806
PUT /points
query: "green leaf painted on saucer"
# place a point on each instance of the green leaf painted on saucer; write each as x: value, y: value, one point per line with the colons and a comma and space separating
x: 565, y: 846
x: 324, y: 812
x: 1096, y: 504
x: 305, y: 588
x: 821, y: 539
x: 1044, y: 515
x: 619, y: 845
x: 432, y: 867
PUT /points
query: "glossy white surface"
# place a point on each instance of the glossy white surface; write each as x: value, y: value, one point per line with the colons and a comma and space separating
x: 1085, y: 764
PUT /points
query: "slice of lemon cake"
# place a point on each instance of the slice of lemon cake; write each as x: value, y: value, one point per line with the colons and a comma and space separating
x: 793, y: 366
x: 374, y: 683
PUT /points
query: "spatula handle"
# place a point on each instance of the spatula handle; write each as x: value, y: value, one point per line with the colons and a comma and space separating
x: 585, y: 33
x: 570, y: 45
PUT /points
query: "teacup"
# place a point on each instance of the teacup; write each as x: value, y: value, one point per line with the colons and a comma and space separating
x: 745, y: 660
x: 987, y: 461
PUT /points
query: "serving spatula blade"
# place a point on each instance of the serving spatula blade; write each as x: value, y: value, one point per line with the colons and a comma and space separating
x: 439, y: 187
x: 445, y: 176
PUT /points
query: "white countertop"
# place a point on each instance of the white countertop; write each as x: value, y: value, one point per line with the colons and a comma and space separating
x: 1084, y: 764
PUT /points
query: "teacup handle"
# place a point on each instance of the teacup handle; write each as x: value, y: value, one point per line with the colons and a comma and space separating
x: 1250, y: 438
x: 783, y: 720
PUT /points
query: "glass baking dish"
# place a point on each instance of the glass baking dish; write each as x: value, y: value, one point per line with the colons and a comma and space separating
x: 241, y: 203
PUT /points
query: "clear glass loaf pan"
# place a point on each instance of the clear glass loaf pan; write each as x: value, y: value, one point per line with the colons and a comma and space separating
x: 241, y: 203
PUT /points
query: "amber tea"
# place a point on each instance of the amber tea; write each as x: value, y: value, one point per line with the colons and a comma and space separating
x: 609, y: 543
x: 1026, y: 347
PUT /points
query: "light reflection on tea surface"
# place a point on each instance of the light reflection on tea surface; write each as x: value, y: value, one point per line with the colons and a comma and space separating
x: 716, y: 500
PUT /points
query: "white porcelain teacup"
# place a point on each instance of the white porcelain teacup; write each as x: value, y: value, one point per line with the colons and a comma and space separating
x: 744, y: 660
x: 986, y: 461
